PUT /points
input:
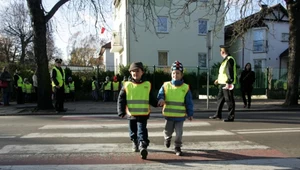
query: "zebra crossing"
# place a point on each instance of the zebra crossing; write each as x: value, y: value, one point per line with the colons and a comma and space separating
x: 112, y: 145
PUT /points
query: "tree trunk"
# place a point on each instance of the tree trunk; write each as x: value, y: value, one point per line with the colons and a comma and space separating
x: 23, y: 50
x: 292, y: 94
x: 39, y: 40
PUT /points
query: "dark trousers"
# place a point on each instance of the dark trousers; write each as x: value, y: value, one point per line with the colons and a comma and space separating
x: 106, y: 95
x: 6, y: 96
x: 138, y: 132
x: 225, y: 96
x: 247, y: 92
x: 60, y: 98
x: 20, y: 96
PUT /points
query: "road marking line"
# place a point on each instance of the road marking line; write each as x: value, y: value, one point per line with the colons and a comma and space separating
x: 275, y: 129
x: 115, y: 126
x: 268, y: 131
x: 125, y: 147
x: 121, y: 134
x: 7, y: 136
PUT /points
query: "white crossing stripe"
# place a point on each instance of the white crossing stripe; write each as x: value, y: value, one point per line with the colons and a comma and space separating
x: 270, y: 130
x: 115, y: 126
x: 124, y: 147
x: 121, y: 134
x: 7, y: 136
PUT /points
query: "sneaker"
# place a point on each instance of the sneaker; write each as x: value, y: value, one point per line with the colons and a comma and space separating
x: 135, y: 146
x: 144, y: 153
x: 178, y: 151
x: 167, y: 143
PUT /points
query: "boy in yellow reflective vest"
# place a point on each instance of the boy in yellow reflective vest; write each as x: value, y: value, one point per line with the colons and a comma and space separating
x: 72, y: 89
x: 107, y: 87
x: 134, y: 101
x: 18, y: 84
x: 27, y: 90
x: 176, y: 98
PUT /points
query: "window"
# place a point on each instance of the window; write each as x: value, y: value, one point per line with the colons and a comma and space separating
x: 259, y: 40
x: 202, y: 59
x: 285, y: 37
x: 202, y: 27
x: 162, y: 24
x: 163, y: 58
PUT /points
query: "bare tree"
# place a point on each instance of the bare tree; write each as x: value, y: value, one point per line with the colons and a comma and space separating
x: 40, y: 17
x: 16, y: 23
x: 7, y: 50
x: 292, y: 96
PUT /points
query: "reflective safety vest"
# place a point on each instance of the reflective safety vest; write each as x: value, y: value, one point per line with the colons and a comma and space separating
x: 93, y: 85
x: 108, y: 86
x: 116, y: 86
x: 28, y: 88
x: 174, y: 100
x: 59, y: 77
x: 123, y: 83
x: 20, y: 81
x: 72, y: 86
x: 137, y: 97
x: 222, y: 77
x: 23, y: 88
x: 67, y: 89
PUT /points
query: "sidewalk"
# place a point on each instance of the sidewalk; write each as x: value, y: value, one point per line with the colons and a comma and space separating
x: 91, y: 107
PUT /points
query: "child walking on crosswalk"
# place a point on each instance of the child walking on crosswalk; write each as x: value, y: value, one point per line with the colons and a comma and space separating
x: 176, y: 99
x: 134, y: 101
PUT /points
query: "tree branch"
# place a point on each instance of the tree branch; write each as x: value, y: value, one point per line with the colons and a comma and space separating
x: 54, y: 9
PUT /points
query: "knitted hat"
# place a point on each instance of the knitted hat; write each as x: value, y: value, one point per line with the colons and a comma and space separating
x: 135, y: 66
x: 177, y: 65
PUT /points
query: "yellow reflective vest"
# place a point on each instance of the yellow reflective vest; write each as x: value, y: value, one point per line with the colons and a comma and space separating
x: 222, y: 77
x: 28, y: 88
x: 174, y: 100
x: 20, y: 81
x: 137, y: 97
x: 108, y: 86
x: 67, y: 89
x: 93, y: 85
x: 116, y: 86
x: 59, y: 77
x: 72, y: 86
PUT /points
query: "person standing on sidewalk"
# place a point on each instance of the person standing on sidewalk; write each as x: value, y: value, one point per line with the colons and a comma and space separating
x: 18, y: 84
x: 226, y: 80
x: 6, y: 91
x: 246, y: 80
x: 116, y: 88
x: 176, y: 98
x: 58, y: 81
x: 35, y: 85
x: 134, y: 101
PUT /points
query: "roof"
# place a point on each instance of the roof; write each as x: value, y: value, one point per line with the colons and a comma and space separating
x: 104, y: 47
x: 284, y: 53
x: 255, y: 20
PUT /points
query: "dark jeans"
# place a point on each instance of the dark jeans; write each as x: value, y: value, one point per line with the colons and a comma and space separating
x: 138, y: 131
x: 6, y: 96
x: 249, y: 93
x: 225, y: 96
x: 20, y: 95
x: 60, y: 97
x: 106, y: 95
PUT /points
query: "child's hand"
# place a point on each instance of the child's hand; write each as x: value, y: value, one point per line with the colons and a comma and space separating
x: 190, y: 118
x: 161, y: 102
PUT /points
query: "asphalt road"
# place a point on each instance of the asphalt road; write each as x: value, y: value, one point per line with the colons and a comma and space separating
x: 103, y: 140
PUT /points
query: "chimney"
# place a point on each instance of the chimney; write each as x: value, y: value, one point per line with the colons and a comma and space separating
x: 263, y: 6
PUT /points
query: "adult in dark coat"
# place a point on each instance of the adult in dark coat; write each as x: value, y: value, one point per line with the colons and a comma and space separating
x: 18, y: 84
x: 247, y: 79
x: 6, y: 91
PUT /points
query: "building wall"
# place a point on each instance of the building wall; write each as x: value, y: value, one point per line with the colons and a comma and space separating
x: 108, y: 60
x: 181, y: 43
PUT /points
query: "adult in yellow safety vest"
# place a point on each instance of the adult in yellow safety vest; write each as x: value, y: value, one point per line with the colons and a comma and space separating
x: 18, y: 84
x: 226, y: 80
x: 134, y: 101
x: 95, y: 89
x: 28, y: 90
x: 58, y: 80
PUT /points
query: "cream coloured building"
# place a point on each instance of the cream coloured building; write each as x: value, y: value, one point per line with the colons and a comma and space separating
x: 165, y: 31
